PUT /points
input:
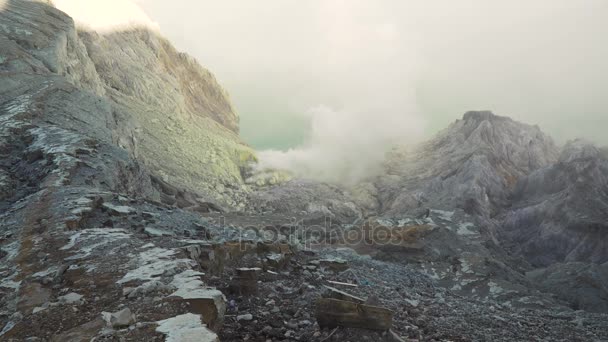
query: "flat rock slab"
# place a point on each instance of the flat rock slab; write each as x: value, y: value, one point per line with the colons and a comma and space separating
x: 155, y: 232
x: 186, y: 328
x: 118, y: 210
x: 332, y: 313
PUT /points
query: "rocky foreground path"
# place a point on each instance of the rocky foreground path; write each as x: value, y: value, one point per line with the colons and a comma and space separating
x: 149, y: 272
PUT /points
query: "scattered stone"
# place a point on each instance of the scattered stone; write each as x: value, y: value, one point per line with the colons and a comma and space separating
x: 331, y: 313
x: 71, y: 298
x: 245, y: 317
x: 207, y: 302
x: 118, y: 210
x: 119, y: 319
x: 276, y: 261
x: 155, y: 232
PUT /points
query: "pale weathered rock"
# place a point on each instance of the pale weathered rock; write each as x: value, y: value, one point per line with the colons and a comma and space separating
x: 203, y: 300
x: 71, y: 298
x: 245, y: 317
x: 119, y: 319
x: 155, y: 232
x: 471, y: 165
x: 186, y: 328
x: 118, y: 210
x: 197, y: 146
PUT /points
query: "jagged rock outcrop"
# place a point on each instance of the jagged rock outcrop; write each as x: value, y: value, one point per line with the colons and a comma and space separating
x: 560, y: 212
x: 140, y: 65
x: 472, y: 165
x: 132, y: 88
x: 177, y: 119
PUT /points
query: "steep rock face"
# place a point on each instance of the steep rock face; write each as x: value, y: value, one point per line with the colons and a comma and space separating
x: 180, y: 121
x: 142, y: 66
x: 39, y: 38
x: 559, y: 212
x: 46, y: 73
x: 134, y: 89
x: 470, y: 165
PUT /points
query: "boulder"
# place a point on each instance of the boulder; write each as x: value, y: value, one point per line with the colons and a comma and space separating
x: 119, y: 319
x: 71, y: 298
x: 186, y: 328
x: 118, y: 210
x: 331, y: 313
x: 245, y: 282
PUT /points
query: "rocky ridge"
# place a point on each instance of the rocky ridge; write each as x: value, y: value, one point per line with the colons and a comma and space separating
x: 135, y: 89
x: 472, y: 164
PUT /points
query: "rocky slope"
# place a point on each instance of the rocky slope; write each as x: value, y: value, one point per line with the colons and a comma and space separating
x: 80, y: 192
x: 559, y: 212
x: 134, y: 88
x: 179, y: 120
x: 537, y: 208
x: 472, y: 164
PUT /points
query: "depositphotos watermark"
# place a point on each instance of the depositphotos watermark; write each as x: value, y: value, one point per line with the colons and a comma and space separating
x: 324, y: 231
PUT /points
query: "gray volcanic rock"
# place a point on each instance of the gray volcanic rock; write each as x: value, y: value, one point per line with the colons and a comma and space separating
x: 172, y: 113
x: 584, y: 285
x: 536, y: 203
x: 310, y: 198
x: 40, y: 39
x: 472, y: 165
x: 130, y: 88
x: 152, y: 71
x: 66, y: 149
x: 560, y: 212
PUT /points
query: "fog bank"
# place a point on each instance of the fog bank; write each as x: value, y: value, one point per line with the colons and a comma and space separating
x: 324, y: 87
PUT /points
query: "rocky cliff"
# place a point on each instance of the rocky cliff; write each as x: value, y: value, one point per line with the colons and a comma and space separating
x: 178, y: 119
x: 133, y: 88
x: 472, y: 164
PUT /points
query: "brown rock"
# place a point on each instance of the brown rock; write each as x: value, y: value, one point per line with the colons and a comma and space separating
x: 331, y: 313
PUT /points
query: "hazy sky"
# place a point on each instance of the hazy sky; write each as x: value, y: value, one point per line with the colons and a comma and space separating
x: 355, y: 75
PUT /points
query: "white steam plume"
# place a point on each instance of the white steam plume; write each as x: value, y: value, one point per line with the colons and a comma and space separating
x: 372, y: 97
